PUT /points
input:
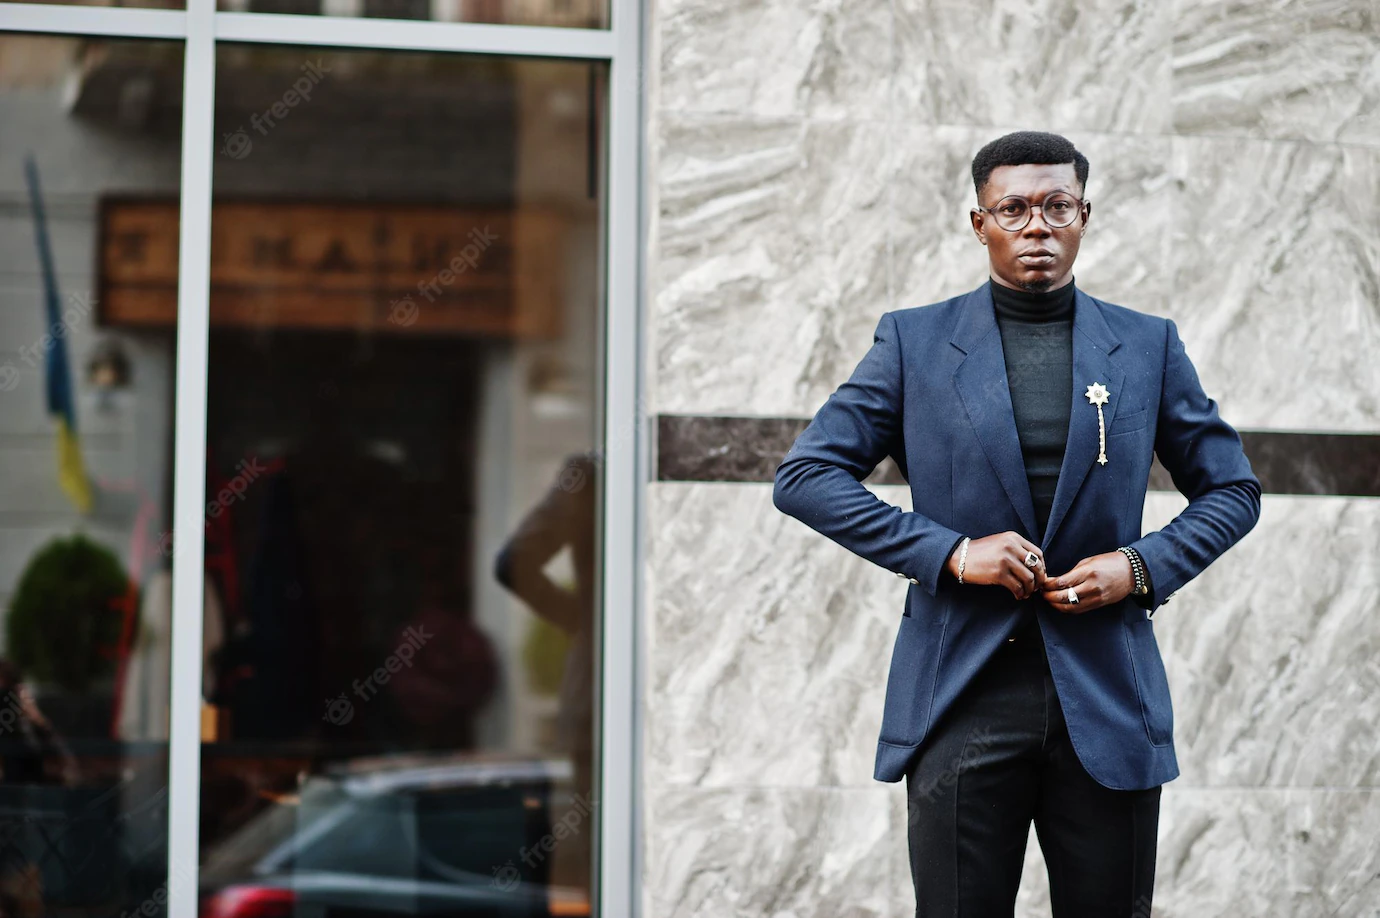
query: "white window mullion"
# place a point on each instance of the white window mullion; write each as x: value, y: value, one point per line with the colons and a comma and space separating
x: 189, y: 470
x: 415, y: 35
x: 624, y: 469
x: 73, y: 19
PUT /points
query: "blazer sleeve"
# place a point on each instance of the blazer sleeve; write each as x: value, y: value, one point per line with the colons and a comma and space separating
x: 1203, y: 456
x: 820, y: 480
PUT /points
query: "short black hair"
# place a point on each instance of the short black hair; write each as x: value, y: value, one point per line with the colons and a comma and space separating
x: 1024, y: 147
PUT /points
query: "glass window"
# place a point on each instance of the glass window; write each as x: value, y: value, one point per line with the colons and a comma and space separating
x: 406, y: 303
x: 86, y: 411
x: 575, y: 14
x: 140, y: 4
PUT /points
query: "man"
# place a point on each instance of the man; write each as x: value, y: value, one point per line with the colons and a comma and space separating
x: 1025, y: 415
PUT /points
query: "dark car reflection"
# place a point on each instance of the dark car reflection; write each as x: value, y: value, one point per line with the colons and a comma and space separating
x: 456, y: 836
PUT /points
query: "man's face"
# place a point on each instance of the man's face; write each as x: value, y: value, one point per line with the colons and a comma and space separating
x: 1038, y: 256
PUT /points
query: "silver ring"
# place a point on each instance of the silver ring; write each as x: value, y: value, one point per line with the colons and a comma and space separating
x: 1032, y: 559
x: 1073, y: 595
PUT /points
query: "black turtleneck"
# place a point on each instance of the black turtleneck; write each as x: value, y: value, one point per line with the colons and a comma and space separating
x: 1037, y: 341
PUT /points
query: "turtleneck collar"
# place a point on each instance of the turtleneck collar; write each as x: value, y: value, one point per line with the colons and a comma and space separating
x: 1031, y: 306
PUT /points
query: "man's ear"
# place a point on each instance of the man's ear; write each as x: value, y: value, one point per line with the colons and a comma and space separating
x: 975, y: 216
x: 1087, y: 215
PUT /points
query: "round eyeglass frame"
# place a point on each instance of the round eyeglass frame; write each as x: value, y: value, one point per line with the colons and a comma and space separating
x: 1030, y: 211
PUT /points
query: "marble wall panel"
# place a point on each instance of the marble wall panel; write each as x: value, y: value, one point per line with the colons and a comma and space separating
x: 1262, y: 251
x: 781, y: 244
x: 759, y: 621
x: 809, y: 171
x: 1277, y: 279
x: 769, y: 643
x: 821, y: 59
x: 1299, y: 852
x: 1273, y: 652
x: 1297, y: 69
x: 771, y: 260
x: 1062, y: 65
x: 777, y: 853
x: 717, y: 852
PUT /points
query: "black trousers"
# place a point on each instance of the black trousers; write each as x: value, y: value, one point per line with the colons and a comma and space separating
x: 999, y: 759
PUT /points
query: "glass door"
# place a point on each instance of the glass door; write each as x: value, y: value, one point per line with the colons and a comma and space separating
x: 320, y: 393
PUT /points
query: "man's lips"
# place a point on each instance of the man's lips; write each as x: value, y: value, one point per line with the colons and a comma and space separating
x: 1037, y: 257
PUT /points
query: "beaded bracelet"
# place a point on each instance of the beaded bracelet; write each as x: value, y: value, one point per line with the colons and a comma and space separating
x: 963, y: 557
x: 1137, y: 569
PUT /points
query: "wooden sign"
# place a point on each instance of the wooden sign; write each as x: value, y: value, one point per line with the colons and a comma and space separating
x: 402, y: 268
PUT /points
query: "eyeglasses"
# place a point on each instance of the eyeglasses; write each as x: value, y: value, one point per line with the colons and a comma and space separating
x: 1013, y: 212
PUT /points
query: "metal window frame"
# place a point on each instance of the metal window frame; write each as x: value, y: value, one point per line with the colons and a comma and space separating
x: 200, y: 27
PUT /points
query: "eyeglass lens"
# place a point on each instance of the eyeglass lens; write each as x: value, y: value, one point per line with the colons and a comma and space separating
x: 1013, y: 213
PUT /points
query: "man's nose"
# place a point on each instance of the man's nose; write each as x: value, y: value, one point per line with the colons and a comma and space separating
x: 1037, y: 225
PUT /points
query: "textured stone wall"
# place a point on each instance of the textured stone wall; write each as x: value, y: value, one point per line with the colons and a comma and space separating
x: 809, y: 172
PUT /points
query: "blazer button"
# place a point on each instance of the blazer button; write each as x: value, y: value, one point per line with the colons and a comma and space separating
x: 914, y: 581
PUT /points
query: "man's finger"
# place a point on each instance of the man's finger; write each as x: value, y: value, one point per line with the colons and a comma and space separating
x: 1068, y: 579
x: 1061, y: 589
x: 1025, y: 575
x: 1024, y: 547
x: 1011, y: 582
x: 1074, y: 578
x: 1061, y: 595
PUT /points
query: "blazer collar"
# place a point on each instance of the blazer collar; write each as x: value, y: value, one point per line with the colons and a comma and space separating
x: 985, y: 392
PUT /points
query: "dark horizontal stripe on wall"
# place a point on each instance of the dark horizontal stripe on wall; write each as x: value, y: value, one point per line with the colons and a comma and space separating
x: 705, y: 448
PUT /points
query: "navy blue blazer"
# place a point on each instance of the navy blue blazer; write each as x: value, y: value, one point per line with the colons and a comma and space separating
x: 932, y: 393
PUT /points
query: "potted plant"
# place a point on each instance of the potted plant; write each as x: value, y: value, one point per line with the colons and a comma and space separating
x: 62, y: 631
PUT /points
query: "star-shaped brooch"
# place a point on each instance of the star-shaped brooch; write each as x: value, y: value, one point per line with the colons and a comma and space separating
x: 1097, y: 395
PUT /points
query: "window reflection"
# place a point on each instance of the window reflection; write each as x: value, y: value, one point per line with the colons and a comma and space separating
x: 405, y: 306
x: 86, y: 415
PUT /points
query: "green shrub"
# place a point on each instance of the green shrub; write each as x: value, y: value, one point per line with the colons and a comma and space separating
x: 61, y: 615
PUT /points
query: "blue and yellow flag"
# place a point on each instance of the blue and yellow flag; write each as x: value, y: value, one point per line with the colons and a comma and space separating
x: 57, y: 372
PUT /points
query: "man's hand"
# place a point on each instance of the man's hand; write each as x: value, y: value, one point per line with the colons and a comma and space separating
x: 1000, y: 560
x: 1100, y: 581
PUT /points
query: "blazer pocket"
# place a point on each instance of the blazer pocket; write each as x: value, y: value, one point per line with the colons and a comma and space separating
x: 911, y: 680
x: 1152, y: 684
x: 1128, y: 423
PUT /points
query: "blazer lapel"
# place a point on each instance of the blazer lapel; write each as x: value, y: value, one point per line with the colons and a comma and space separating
x: 1093, y: 343
x: 986, y: 394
